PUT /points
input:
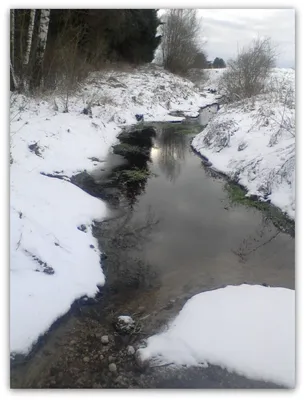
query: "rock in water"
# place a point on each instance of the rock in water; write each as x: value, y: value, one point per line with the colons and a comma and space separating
x: 142, y: 364
x: 130, y: 350
x: 124, y: 324
x: 105, y: 339
x: 112, y: 367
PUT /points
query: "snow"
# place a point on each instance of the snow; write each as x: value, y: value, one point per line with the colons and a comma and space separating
x: 246, y: 329
x: 253, y: 142
x: 126, y: 319
x: 52, y: 261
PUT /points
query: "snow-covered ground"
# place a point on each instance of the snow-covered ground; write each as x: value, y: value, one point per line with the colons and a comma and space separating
x: 246, y: 329
x: 253, y: 141
x: 52, y: 261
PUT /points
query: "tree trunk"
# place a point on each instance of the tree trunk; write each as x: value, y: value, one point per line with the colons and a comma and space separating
x: 13, y: 81
x: 12, y: 37
x: 29, y: 38
x: 26, y: 58
x: 41, y: 46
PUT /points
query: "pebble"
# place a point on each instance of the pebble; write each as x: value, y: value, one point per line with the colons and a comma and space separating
x: 120, y: 380
x: 112, y: 367
x: 111, y: 359
x: 130, y: 350
x: 86, y: 359
x: 105, y: 339
x: 141, y: 363
x: 73, y: 342
x: 101, y: 357
x: 97, y: 386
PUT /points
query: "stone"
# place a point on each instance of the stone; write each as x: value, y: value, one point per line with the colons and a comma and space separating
x: 105, y: 339
x: 73, y: 342
x: 120, y: 380
x: 130, y: 350
x: 140, y: 362
x: 124, y: 324
x: 82, y: 228
x: 97, y: 386
x: 111, y: 359
x: 102, y: 357
x: 86, y: 359
x: 112, y: 367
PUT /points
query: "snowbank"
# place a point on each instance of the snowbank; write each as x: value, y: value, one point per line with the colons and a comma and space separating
x: 253, y: 142
x: 54, y: 257
x: 246, y: 329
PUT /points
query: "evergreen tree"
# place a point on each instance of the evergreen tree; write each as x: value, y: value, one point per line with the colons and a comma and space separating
x: 219, y: 63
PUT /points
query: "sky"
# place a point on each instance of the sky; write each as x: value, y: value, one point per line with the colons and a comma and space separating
x: 226, y: 30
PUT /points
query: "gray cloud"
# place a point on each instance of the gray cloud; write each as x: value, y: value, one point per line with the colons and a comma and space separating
x: 226, y: 31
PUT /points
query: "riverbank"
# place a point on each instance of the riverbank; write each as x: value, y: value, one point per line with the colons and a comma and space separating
x: 253, y: 142
x: 53, y: 138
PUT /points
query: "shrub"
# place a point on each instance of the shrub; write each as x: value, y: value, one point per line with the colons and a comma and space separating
x: 246, y: 75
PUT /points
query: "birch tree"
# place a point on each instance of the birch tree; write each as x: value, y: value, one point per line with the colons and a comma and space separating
x: 12, y: 37
x: 29, y: 38
x: 41, y: 46
x: 13, y: 80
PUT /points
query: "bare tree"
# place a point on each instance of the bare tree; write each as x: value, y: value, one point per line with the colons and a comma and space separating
x: 13, y: 80
x: 247, y: 74
x: 41, y: 46
x: 179, y: 43
x: 26, y: 57
x: 29, y: 38
x: 12, y: 37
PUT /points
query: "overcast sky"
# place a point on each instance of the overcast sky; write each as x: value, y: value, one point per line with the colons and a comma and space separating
x: 227, y: 29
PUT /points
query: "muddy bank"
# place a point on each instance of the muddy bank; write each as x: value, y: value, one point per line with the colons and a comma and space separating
x: 172, y: 232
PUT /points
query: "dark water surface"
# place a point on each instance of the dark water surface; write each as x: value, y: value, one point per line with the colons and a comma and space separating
x: 192, y: 237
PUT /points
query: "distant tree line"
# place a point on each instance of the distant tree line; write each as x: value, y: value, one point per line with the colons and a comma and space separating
x: 201, y: 61
x: 50, y: 46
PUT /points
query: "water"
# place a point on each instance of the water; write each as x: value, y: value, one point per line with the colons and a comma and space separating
x: 191, y: 238
x: 173, y: 235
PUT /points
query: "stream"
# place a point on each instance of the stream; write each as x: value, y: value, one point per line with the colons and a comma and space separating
x: 173, y: 231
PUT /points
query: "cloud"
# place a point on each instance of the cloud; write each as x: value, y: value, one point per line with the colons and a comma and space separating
x: 228, y: 30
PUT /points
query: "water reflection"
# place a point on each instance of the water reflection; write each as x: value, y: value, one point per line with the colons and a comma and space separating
x: 169, y: 151
x: 172, y: 142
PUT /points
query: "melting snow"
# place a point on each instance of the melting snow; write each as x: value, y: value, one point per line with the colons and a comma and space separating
x: 247, y: 329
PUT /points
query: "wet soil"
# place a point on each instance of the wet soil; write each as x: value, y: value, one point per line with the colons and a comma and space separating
x: 171, y: 233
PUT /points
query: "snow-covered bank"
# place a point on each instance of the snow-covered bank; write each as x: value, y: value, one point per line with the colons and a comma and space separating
x: 253, y: 142
x: 54, y: 256
x: 247, y: 329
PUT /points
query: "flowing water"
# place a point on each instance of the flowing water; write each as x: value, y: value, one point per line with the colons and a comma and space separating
x: 169, y: 236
